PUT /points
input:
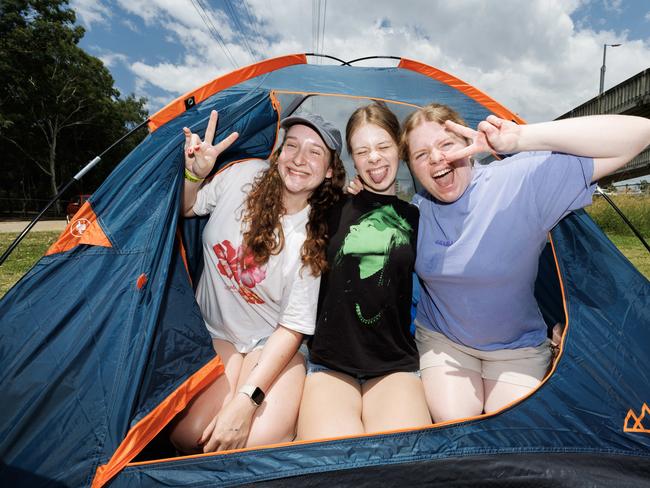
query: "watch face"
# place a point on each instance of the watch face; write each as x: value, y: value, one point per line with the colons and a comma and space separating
x: 257, y: 396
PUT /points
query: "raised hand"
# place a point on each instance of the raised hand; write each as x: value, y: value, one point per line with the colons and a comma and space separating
x: 354, y: 186
x: 493, y: 135
x: 200, y: 156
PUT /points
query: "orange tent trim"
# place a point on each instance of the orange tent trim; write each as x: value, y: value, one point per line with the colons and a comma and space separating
x: 460, y: 85
x: 147, y: 428
x: 84, y: 228
x: 178, y: 106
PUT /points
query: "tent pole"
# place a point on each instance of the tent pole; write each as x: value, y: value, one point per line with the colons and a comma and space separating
x: 344, y: 63
x: 63, y: 189
x: 625, y: 219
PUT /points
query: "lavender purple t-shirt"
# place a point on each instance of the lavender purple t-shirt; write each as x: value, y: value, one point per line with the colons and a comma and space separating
x: 477, y: 257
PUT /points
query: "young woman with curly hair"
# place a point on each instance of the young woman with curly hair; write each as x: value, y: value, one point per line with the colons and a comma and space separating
x: 264, y: 250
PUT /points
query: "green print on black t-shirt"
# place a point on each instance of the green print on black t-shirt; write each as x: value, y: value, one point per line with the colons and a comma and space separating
x: 371, y: 240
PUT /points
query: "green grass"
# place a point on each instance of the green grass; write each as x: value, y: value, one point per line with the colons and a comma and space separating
x: 23, y: 257
x: 36, y: 243
x: 635, y: 207
x: 633, y: 250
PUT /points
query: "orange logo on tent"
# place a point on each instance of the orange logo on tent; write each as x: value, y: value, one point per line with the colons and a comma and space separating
x: 84, y: 228
x: 634, y: 423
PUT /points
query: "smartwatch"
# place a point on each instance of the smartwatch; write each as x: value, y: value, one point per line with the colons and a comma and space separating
x: 253, y: 392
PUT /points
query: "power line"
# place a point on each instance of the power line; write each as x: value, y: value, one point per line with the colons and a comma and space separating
x: 318, y: 16
x: 213, y: 31
x: 208, y: 16
x: 240, y: 29
x: 322, y: 38
x: 251, y: 20
x: 315, y: 8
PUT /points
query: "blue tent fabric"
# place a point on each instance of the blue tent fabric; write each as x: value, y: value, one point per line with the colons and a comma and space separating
x: 84, y: 353
x: 88, y: 350
x: 579, y: 410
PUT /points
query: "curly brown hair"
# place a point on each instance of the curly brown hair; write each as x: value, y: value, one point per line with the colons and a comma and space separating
x: 264, y: 209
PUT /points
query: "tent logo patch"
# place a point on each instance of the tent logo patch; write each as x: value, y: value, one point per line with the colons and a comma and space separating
x: 79, y: 227
x: 635, y: 423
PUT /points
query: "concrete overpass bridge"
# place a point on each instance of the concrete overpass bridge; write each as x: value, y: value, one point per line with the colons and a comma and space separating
x: 631, y: 97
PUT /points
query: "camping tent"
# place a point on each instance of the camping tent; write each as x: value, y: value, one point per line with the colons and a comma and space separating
x: 102, y: 342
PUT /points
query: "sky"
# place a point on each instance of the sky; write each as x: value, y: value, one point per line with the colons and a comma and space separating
x: 539, y: 58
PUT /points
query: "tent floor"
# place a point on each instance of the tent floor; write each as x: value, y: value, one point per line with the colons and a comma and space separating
x: 540, y: 470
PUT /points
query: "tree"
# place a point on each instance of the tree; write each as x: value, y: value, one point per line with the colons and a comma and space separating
x: 58, y: 105
x: 644, y: 186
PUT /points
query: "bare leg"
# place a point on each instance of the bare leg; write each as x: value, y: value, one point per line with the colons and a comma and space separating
x: 508, y: 380
x: 394, y: 401
x: 452, y: 393
x: 188, y: 426
x: 331, y: 406
x: 498, y: 394
x: 275, y: 419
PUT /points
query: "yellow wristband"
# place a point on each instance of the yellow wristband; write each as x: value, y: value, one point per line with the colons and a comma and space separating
x: 189, y: 176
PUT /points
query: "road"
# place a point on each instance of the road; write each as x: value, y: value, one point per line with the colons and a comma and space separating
x: 18, y: 226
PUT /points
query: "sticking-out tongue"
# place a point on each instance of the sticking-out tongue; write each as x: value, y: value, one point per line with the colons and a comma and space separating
x: 446, y: 179
x: 377, y: 176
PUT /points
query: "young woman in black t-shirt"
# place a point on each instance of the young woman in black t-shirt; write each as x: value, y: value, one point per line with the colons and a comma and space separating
x: 363, y: 369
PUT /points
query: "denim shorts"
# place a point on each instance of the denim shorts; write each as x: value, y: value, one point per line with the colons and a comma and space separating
x: 313, y: 367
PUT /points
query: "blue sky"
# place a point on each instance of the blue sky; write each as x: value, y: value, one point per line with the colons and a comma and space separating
x: 538, y: 57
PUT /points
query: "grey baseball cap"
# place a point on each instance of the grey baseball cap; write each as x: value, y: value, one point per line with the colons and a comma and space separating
x: 330, y: 134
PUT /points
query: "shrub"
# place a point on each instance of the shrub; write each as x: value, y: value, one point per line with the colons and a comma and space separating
x: 635, y: 207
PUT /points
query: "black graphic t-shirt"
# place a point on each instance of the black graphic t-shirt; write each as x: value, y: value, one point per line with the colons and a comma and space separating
x: 364, y: 306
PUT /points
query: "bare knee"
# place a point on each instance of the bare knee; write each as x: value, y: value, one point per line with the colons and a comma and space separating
x: 272, y: 433
x: 452, y: 395
x: 188, y: 426
x: 186, y: 431
x: 498, y: 394
x: 444, y: 411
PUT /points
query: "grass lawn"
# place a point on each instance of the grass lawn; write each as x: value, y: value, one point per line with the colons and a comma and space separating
x: 633, y: 250
x: 24, y: 256
x: 36, y: 243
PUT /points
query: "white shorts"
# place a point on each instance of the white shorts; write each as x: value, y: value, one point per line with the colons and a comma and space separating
x: 525, y: 366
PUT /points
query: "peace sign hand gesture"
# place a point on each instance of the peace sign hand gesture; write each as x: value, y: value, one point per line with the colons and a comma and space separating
x: 200, y: 156
x: 493, y: 135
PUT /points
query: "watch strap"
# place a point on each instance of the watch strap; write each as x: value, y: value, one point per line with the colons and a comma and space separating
x: 253, y: 392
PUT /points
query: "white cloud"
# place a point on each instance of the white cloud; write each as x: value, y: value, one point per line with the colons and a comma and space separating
x: 613, y: 5
x: 176, y: 79
x: 111, y: 59
x: 130, y: 25
x: 529, y: 55
x: 647, y: 16
x: 90, y: 12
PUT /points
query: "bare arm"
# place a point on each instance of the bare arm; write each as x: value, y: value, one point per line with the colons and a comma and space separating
x: 200, y: 157
x: 230, y: 427
x: 611, y: 140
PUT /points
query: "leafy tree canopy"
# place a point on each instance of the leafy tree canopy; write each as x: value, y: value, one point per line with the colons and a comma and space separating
x: 58, y: 105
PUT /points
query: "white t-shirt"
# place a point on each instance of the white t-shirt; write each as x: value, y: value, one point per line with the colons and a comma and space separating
x: 241, y: 302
